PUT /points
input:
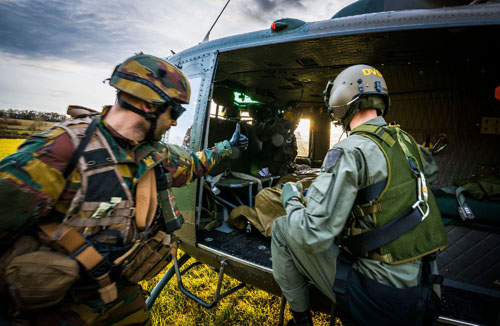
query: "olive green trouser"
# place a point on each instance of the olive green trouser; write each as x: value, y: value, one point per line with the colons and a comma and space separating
x: 293, y: 268
x: 128, y: 309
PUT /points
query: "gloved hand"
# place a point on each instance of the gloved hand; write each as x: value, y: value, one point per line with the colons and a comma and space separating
x: 238, y: 140
x: 291, y: 190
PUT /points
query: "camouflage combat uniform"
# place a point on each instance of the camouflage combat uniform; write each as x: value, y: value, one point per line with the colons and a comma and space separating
x: 33, y: 190
x: 304, y: 242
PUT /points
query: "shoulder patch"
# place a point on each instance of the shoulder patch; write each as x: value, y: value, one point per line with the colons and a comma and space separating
x: 332, y: 157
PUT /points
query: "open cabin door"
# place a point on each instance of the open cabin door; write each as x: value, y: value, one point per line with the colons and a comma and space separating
x: 189, y: 132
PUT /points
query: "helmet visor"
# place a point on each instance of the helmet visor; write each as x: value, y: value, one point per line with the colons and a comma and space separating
x: 340, y: 111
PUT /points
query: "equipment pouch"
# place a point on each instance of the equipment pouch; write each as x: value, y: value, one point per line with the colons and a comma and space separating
x: 148, y: 258
x: 40, y: 278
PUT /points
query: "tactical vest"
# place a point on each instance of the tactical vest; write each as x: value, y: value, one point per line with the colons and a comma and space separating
x: 103, y: 200
x: 390, y: 199
x: 105, y: 226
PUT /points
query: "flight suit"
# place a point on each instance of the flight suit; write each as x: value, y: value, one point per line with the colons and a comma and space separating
x: 32, y: 182
x: 303, y: 247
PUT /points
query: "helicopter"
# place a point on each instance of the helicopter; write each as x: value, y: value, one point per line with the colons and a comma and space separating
x: 439, y: 58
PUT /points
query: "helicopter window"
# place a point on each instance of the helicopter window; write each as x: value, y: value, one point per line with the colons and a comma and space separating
x: 180, y: 134
x: 336, y: 134
x: 216, y: 110
x: 302, y: 135
x: 245, y: 117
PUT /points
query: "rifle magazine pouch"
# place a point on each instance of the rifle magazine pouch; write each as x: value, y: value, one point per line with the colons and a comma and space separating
x: 149, y: 258
x: 41, y: 278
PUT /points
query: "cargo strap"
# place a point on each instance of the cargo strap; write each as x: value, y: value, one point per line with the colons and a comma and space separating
x: 82, y: 251
x: 463, y: 209
x: 214, y: 179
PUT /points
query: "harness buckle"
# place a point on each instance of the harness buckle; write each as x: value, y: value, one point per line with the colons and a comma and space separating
x: 104, y: 267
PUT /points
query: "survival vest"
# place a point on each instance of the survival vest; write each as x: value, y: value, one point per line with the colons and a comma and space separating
x: 406, y: 218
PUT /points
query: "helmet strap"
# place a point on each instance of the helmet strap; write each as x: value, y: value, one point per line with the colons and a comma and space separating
x: 151, y: 117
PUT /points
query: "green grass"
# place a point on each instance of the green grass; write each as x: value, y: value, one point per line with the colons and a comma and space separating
x: 18, y: 128
x: 248, y: 306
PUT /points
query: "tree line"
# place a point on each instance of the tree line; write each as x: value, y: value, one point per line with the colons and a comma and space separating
x: 32, y: 115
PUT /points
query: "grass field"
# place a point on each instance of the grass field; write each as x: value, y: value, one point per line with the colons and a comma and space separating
x: 18, y: 128
x: 249, y: 306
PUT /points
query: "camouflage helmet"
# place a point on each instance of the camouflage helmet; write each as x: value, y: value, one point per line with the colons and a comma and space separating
x: 151, y: 79
x: 356, y: 88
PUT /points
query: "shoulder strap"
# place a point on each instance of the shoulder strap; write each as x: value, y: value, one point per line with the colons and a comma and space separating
x: 378, y: 131
x: 81, y: 147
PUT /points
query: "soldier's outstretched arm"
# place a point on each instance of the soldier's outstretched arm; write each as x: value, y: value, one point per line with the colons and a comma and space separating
x: 185, y: 165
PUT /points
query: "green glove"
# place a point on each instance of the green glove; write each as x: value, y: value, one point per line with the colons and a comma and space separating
x: 291, y: 190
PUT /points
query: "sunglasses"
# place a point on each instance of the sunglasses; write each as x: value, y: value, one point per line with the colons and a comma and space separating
x: 177, y: 109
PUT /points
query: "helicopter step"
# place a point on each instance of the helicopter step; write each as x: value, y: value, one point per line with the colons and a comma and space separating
x: 175, y: 268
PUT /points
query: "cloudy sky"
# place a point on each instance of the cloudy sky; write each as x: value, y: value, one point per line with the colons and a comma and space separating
x: 58, y: 52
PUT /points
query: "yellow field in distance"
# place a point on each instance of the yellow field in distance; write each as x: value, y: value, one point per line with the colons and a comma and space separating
x: 9, y: 146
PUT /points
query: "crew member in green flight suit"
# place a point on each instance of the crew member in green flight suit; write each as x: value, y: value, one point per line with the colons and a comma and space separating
x: 368, y: 229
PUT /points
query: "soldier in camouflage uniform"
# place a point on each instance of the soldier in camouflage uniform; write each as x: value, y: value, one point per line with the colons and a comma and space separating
x: 97, y: 199
x: 343, y: 238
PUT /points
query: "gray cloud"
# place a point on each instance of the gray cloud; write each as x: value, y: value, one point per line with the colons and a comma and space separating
x: 49, y: 28
x: 69, y: 46
x: 81, y: 30
x: 267, y: 10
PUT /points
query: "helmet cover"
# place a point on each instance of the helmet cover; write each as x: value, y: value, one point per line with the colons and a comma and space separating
x: 151, y: 79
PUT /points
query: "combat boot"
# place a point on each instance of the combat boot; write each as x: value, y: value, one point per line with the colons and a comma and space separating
x: 301, y: 318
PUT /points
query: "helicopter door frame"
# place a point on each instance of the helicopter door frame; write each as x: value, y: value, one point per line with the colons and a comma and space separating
x: 200, y: 70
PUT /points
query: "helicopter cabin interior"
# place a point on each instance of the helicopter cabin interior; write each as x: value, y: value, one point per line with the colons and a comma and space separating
x: 444, y: 90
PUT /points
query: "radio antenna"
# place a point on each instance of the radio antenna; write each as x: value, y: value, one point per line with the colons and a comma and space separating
x: 215, y: 22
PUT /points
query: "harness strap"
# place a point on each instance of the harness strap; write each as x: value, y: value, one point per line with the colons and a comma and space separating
x: 81, y: 147
x: 376, y: 238
x: 377, y: 131
x: 151, y: 117
x: 83, y: 252
x: 371, y: 192
x: 344, y: 265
